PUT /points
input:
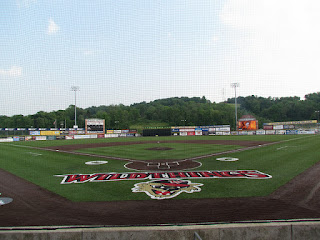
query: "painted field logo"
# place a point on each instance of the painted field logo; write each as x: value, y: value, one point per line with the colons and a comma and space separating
x: 107, y: 177
x: 164, y: 189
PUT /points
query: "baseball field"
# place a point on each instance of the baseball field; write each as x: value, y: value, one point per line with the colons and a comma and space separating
x: 160, y: 180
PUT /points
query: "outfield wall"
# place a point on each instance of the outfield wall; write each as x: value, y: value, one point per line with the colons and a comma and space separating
x: 275, y: 230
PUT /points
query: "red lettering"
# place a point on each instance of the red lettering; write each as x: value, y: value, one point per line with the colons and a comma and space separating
x: 206, y: 174
x: 174, y: 175
x: 193, y: 174
x: 182, y: 174
x: 230, y: 174
x: 115, y: 176
x: 103, y: 177
x: 78, y: 178
x: 155, y: 175
x: 254, y: 174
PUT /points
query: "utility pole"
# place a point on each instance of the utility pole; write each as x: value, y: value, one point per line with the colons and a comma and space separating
x: 235, y: 85
x: 75, y: 89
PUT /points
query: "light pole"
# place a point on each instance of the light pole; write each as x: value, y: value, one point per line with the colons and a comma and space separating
x: 235, y: 85
x: 75, y: 89
x: 184, y: 120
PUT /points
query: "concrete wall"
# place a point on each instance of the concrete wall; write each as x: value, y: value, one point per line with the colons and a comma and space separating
x: 282, y: 231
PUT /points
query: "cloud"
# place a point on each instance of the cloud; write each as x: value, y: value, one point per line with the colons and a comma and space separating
x: 277, y: 41
x: 53, y: 28
x: 14, y: 71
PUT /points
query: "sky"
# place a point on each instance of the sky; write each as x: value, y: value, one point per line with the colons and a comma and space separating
x: 125, y: 52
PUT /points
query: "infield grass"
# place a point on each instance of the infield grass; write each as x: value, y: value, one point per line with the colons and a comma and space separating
x: 144, y: 152
x: 284, y: 160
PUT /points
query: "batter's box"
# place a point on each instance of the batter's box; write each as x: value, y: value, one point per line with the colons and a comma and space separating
x: 163, y: 165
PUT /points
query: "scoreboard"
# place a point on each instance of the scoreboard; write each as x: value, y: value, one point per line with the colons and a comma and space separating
x: 93, y: 126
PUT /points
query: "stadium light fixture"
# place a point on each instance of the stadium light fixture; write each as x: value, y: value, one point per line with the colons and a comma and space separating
x: 235, y: 85
x: 75, y: 89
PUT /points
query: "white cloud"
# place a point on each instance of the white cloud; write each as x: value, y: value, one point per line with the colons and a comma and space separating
x: 14, y: 71
x: 277, y: 42
x: 53, y: 28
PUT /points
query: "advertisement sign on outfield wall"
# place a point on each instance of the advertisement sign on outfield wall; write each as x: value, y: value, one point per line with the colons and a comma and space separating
x: 41, y: 138
x: 100, y: 135
x: 187, y: 130
x: 111, y: 135
x: 288, y: 126
x: 270, y: 132
x: 243, y: 133
x: 267, y: 127
x: 49, y: 133
x: 290, y: 132
x: 34, y: 133
x: 306, y: 132
x: 16, y: 139
x: 51, y: 137
x: 280, y: 132
x: 9, y: 139
x: 278, y: 127
x: 292, y: 122
x: 223, y: 129
x: 260, y: 132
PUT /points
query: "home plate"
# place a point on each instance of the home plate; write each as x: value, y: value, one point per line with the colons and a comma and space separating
x: 96, y: 162
x: 5, y: 200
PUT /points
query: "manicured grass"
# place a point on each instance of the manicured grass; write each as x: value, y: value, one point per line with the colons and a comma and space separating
x: 143, y: 152
x: 271, y: 138
x: 283, y: 161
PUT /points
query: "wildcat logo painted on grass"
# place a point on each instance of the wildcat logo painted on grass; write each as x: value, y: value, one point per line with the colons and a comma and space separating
x: 106, y: 177
x: 164, y: 189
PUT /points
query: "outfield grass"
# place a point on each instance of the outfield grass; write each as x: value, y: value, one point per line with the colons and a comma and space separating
x: 283, y: 161
x: 271, y: 138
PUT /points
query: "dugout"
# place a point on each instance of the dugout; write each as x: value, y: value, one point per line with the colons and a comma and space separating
x: 156, y: 132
